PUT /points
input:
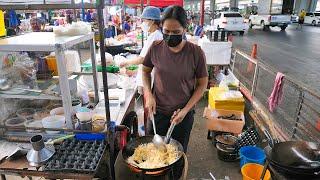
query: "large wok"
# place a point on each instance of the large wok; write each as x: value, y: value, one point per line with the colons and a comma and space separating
x: 295, y: 157
x: 128, y: 151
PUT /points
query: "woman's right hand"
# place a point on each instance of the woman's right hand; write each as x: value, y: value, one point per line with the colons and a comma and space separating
x: 150, y: 103
x: 123, y: 64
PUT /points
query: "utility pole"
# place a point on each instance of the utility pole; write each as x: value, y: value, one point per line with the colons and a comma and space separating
x: 234, y: 3
x: 202, y: 12
x: 213, y: 9
x: 213, y: 5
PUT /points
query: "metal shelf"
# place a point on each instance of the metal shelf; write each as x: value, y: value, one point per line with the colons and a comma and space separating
x: 46, y: 42
x: 30, y: 96
x: 41, y: 41
x: 46, y: 86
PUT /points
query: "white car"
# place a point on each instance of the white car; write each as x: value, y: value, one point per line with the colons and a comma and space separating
x: 230, y: 21
x: 267, y: 20
x: 312, y: 18
x: 294, y: 18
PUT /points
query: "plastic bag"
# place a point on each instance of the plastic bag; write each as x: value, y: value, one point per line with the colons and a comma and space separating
x: 231, y: 95
x: 109, y: 59
x: 126, y: 82
x: 220, y: 76
x: 83, y: 89
x: 7, y: 60
x: 27, y: 70
x: 119, y: 59
x: 75, y: 29
x: 8, y: 69
x: 229, y: 81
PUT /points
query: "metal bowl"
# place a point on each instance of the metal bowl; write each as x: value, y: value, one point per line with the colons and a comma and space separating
x: 26, y: 113
x: 15, y: 122
x: 227, y: 152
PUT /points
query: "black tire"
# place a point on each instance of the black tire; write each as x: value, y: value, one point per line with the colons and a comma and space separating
x: 283, y: 28
x: 264, y: 27
x: 314, y: 23
x: 241, y: 33
x: 250, y: 24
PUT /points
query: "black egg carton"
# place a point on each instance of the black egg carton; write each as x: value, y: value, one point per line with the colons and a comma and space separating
x: 77, y: 156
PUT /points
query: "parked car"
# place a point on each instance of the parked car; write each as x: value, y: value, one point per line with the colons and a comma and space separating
x: 294, y: 18
x: 312, y: 18
x: 230, y: 21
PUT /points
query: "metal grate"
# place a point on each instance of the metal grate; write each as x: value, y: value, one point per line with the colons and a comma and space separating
x: 244, y: 69
x: 298, y: 114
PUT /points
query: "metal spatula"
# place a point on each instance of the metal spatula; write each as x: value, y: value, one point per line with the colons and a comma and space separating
x: 170, y: 130
x: 157, y: 139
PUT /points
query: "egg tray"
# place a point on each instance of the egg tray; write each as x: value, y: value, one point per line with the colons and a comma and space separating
x: 77, y: 156
x: 248, y: 138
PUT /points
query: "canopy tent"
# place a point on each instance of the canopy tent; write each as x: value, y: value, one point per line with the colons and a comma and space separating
x: 157, y: 3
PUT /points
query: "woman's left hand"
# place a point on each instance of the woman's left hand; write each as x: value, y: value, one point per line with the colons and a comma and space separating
x: 178, y: 116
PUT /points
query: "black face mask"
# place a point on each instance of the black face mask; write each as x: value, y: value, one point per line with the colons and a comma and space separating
x: 172, y: 40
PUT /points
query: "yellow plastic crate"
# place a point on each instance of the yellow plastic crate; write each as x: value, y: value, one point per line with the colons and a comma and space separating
x: 2, y: 27
x: 217, y: 100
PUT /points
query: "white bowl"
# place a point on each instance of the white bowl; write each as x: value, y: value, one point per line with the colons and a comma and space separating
x: 84, y: 116
x: 55, y: 121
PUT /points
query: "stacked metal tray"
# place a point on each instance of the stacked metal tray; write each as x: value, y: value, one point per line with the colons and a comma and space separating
x: 77, y: 156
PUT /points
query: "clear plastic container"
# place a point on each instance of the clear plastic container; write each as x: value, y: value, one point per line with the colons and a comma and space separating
x: 54, y: 122
x: 33, y: 124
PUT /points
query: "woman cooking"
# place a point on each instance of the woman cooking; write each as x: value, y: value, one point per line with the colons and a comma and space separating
x: 181, y: 77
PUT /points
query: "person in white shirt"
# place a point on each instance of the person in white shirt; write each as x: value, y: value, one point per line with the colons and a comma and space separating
x: 151, y: 24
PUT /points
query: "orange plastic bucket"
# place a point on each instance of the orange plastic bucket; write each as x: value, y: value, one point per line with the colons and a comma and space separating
x: 252, y: 171
x: 52, y: 64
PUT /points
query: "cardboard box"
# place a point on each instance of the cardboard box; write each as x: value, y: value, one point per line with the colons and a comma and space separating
x: 224, y: 125
x: 217, y: 100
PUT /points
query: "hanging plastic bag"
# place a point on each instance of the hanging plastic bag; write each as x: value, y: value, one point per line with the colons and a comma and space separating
x: 27, y: 70
x: 229, y: 81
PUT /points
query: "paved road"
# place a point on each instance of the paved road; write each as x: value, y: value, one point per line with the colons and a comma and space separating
x: 294, y: 52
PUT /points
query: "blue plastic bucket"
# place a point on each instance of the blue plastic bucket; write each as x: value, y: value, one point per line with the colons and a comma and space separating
x: 251, y: 154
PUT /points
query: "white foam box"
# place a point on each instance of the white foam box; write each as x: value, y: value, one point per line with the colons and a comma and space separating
x: 217, y: 53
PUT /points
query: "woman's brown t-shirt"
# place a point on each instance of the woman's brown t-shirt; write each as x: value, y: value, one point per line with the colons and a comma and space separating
x: 175, y: 74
